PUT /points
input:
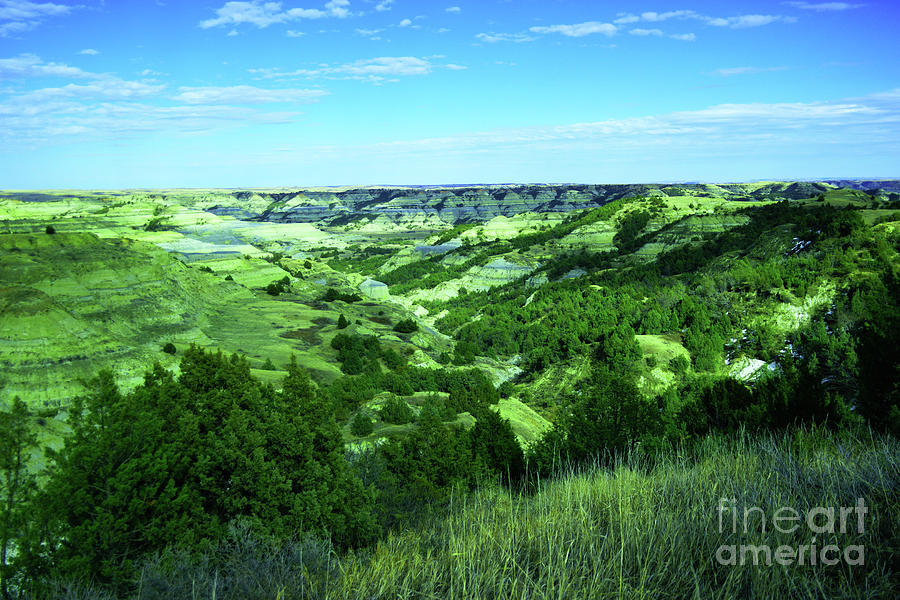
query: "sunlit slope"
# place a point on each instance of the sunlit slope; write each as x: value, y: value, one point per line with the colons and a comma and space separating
x: 80, y: 303
x: 73, y: 303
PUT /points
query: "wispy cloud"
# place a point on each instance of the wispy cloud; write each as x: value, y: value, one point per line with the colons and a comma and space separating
x: 369, y: 32
x: 18, y: 16
x: 404, y: 23
x: 373, y: 69
x: 626, y: 19
x: 746, y: 71
x: 824, y: 6
x: 744, y: 21
x: 611, y: 29
x: 245, y: 94
x: 262, y: 14
x: 30, y: 65
x: 90, y: 52
x: 104, y: 106
x: 493, y: 38
x: 733, y: 22
x: 656, y: 17
x: 646, y: 32
x: 453, y: 9
x: 46, y: 123
x: 706, y: 130
x: 111, y: 88
x: 384, y: 5
x: 578, y: 29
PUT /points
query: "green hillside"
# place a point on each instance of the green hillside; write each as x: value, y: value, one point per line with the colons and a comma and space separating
x: 466, y: 364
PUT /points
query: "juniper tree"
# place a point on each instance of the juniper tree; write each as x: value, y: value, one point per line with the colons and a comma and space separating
x: 17, y: 484
x: 181, y: 458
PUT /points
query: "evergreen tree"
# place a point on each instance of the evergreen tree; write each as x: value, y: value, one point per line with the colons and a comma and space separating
x: 342, y: 322
x: 17, y: 485
x: 361, y: 425
x: 179, y: 459
x: 495, y: 447
x: 396, y: 411
x: 406, y: 326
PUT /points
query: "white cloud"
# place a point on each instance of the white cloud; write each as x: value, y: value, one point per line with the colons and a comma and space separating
x: 90, y: 52
x: 713, y: 127
x: 262, y: 14
x: 684, y: 37
x: 735, y: 22
x: 493, y: 38
x: 245, y: 94
x: 369, y: 32
x: 386, y: 66
x: 404, y: 23
x: 453, y: 9
x: 744, y: 21
x: 453, y: 67
x: 373, y: 69
x: 656, y: 17
x: 824, y: 6
x: 294, y: 34
x: 578, y: 29
x: 646, y: 32
x: 21, y: 16
x: 104, y: 106
x: 109, y: 88
x: 41, y: 124
x: 384, y: 5
x: 30, y: 65
x: 625, y: 19
x: 109, y: 107
x: 257, y: 13
x: 18, y: 10
x: 338, y: 8
x: 745, y: 71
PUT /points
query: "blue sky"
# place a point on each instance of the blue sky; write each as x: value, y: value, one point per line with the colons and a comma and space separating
x: 124, y: 94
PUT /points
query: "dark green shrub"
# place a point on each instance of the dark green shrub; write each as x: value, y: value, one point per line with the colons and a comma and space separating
x: 406, y: 326
x: 437, y: 407
x: 169, y: 348
x: 396, y: 411
x: 392, y: 359
x: 156, y: 224
x: 361, y: 425
x: 332, y: 294
x: 49, y: 230
x: 342, y: 322
x: 679, y: 365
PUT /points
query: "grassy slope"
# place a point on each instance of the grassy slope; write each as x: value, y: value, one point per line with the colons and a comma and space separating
x: 652, y: 532
x: 639, y: 530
